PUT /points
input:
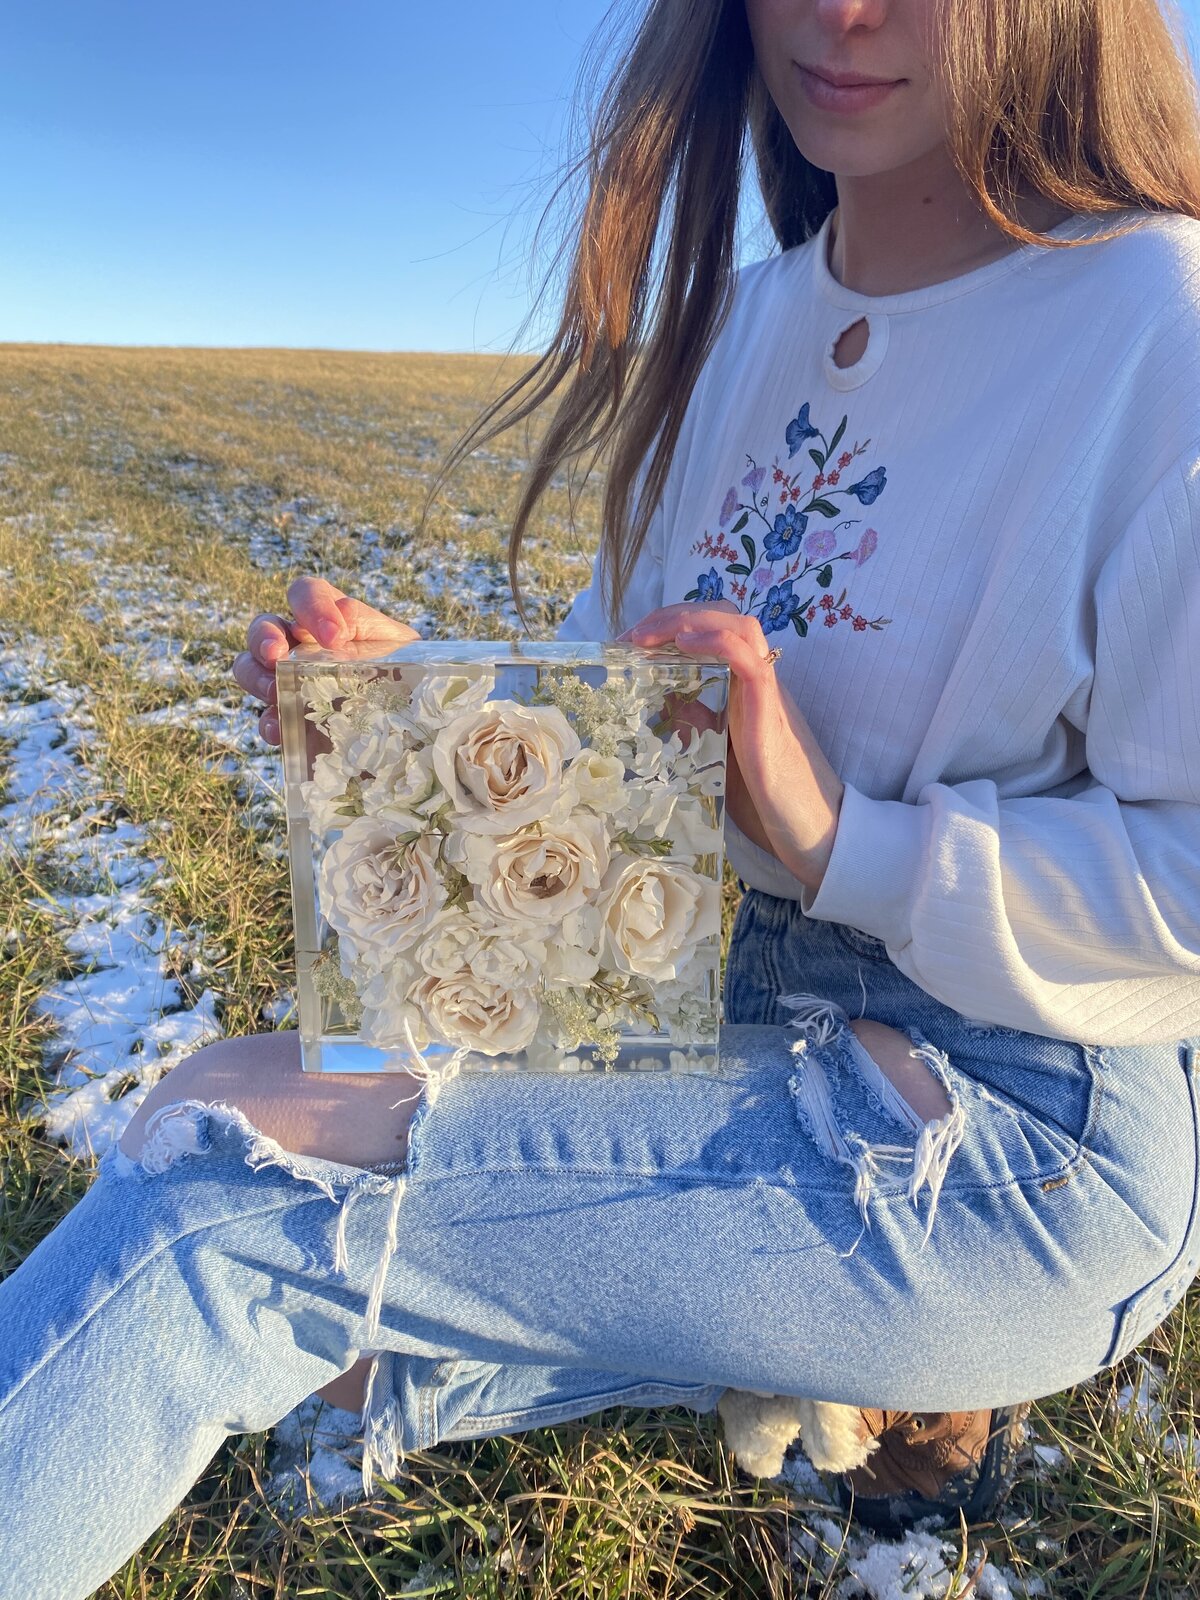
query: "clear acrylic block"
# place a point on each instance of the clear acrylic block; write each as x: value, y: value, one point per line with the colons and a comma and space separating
x: 505, y: 855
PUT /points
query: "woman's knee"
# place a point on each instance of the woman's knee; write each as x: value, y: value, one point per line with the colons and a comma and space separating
x: 222, y: 1071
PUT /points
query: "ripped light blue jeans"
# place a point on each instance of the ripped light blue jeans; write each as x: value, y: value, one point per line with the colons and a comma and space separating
x: 556, y: 1245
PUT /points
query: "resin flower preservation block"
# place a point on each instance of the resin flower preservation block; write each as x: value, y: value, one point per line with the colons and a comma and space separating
x: 505, y: 855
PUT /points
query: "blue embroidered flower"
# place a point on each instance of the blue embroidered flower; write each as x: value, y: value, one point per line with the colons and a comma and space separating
x: 776, y: 610
x: 799, y: 430
x: 869, y: 489
x: 709, y: 584
x: 783, y: 539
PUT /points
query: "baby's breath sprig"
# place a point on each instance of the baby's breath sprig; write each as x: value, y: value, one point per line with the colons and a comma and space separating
x: 332, y: 984
x: 599, y: 715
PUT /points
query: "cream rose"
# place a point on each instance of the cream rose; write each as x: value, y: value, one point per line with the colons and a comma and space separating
x: 538, y: 876
x: 655, y: 914
x: 489, y: 1017
x: 378, y: 893
x: 459, y: 941
x: 502, y: 765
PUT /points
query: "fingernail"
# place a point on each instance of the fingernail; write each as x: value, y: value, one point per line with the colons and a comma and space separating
x: 328, y: 632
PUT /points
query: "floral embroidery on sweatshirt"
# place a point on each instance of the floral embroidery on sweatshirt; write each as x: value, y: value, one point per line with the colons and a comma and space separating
x: 764, y: 580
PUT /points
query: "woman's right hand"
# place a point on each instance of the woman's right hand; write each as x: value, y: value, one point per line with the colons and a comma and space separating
x: 322, y: 615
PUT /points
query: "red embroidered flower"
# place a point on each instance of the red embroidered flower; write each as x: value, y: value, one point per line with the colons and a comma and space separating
x: 818, y: 480
x: 845, y: 459
x: 827, y: 602
x: 834, y: 476
x: 830, y: 619
x: 846, y: 611
x: 859, y: 624
x: 811, y: 612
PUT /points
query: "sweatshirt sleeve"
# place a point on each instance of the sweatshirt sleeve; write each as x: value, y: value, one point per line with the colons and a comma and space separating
x: 1074, y: 916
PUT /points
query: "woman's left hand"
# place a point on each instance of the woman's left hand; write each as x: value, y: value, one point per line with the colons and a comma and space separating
x: 794, y: 790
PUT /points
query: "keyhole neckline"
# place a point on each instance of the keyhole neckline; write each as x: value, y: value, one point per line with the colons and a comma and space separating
x: 878, y: 330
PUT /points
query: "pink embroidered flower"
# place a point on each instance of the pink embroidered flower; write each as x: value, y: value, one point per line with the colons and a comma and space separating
x: 865, y: 547
x: 830, y: 619
x: 811, y: 612
x: 764, y: 578
x: 833, y: 477
x: 826, y: 602
x: 845, y: 459
x: 859, y: 624
x: 819, y: 544
x: 846, y: 612
x: 729, y: 507
x: 818, y: 480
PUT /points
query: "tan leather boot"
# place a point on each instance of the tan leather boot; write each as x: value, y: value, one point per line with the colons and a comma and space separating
x: 933, y: 1464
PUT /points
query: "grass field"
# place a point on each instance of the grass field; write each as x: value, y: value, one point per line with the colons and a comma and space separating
x: 150, y: 503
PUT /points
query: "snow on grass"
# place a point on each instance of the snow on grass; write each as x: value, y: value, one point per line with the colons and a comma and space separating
x: 123, y: 1018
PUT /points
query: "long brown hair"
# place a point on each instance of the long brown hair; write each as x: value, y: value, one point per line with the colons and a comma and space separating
x: 1092, y: 102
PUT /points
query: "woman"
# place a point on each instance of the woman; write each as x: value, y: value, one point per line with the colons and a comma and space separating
x: 927, y: 479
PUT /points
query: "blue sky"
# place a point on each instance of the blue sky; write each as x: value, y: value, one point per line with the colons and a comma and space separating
x: 356, y: 174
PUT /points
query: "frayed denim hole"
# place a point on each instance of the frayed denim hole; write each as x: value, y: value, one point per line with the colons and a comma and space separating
x: 813, y: 1093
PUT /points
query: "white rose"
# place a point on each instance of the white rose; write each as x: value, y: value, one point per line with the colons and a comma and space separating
x: 502, y: 765
x: 597, y: 781
x: 535, y: 877
x: 440, y: 696
x: 459, y: 941
x: 381, y: 894
x: 405, y: 789
x: 655, y: 914
x: 489, y: 1017
x: 380, y: 745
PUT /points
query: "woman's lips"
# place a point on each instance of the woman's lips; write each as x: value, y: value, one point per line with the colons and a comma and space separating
x: 858, y: 97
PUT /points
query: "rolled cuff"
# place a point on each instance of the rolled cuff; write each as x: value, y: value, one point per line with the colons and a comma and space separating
x: 870, y: 881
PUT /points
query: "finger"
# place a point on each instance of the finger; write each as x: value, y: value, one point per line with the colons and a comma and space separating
x: 268, y: 726
x: 668, y: 615
x: 747, y: 655
x: 365, y: 622
x: 255, y: 680
x: 314, y: 602
x: 268, y: 637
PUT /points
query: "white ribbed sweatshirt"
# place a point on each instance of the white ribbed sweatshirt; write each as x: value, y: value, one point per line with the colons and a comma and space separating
x: 979, y: 547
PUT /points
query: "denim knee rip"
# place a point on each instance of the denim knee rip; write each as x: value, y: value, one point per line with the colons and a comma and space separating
x: 824, y: 1023
x: 186, y: 1127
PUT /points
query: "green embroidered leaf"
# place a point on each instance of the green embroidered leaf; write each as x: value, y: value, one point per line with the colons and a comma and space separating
x: 825, y: 576
x: 824, y: 508
x: 800, y: 625
x: 833, y: 443
x: 736, y: 566
x: 818, y: 458
x: 741, y: 523
x: 749, y: 546
x: 691, y: 594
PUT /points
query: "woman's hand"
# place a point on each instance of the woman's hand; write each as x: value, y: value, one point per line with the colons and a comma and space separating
x: 323, y: 616
x: 794, y: 793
